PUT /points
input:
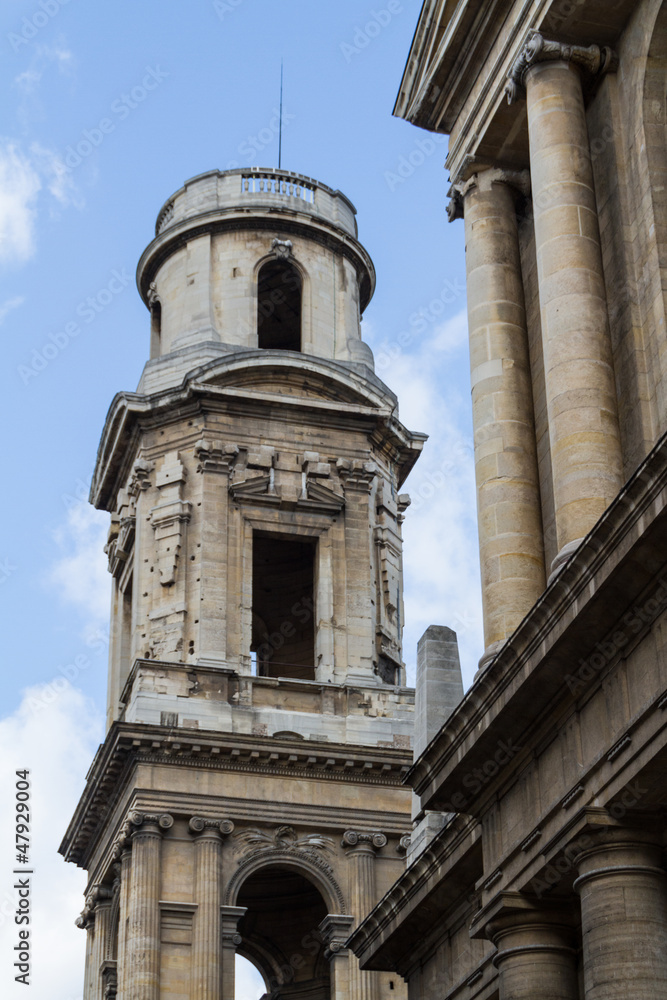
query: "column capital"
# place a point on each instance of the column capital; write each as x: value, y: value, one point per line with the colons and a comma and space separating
x: 363, y: 840
x: 149, y: 824
x: 482, y: 180
x: 596, y: 60
x: 100, y: 895
x: 210, y: 827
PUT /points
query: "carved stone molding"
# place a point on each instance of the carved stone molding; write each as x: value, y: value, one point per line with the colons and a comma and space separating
x: 140, y: 478
x: 100, y: 894
x: 335, y: 930
x: 404, y: 843
x: 356, y: 475
x: 152, y: 295
x: 594, y: 59
x: 215, y: 456
x: 356, y: 838
x: 283, y: 838
x: 282, y: 249
x: 169, y: 517
x: 198, y: 824
x: 309, y: 861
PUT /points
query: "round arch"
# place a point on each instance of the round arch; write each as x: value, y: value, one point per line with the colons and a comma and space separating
x: 310, y: 865
x: 305, y: 293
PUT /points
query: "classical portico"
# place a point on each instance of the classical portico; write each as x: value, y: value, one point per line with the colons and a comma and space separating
x: 548, y: 876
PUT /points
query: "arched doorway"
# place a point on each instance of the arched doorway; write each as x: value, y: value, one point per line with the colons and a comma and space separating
x: 280, y: 933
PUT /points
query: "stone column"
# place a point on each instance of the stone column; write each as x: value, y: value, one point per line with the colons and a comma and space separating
x: 536, y: 957
x: 508, y: 492
x: 206, y: 979
x: 623, y: 892
x: 335, y: 930
x: 362, y: 848
x: 580, y: 388
x: 124, y: 874
x: 102, y: 911
x: 142, y: 976
x: 231, y: 939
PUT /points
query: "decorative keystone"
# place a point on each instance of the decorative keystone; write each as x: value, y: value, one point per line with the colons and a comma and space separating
x: 282, y: 249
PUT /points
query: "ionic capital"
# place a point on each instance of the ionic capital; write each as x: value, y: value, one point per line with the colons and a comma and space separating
x: 369, y: 841
x: 482, y: 181
x: 595, y: 59
x: 141, y: 823
x: 99, y: 895
x: 202, y: 826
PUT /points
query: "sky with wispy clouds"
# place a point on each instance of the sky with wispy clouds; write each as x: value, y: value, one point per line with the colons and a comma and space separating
x: 108, y: 108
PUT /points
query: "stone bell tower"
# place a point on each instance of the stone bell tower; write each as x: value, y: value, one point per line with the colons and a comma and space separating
x: 248, y: 796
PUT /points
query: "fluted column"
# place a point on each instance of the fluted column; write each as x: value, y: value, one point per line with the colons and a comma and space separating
x: 124, y: 874
x: 580, y: 388
x: 335, y: 930
x: 99, y: 954
x: 206, y: 980
x: 536, y: 956
x: 508, y: 493
x: 362, y: 848
x: 231, y: 939
x: 623, y: 891
x: 143, y: 934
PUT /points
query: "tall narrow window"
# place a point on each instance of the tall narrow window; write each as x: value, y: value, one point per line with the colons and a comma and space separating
x: 283, y: 605
x: 279, y: 307
x: 156, y: 329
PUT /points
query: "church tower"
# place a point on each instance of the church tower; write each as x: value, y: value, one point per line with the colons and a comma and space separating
x: 248, y: 797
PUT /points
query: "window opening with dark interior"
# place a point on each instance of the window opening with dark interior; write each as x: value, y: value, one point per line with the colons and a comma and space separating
x: 279, y: 307
x: 283, y: 607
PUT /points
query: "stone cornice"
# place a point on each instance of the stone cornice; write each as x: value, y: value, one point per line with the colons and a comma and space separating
x: 361, y: 398
x: 527, y: 675
x: 594, y: 59
x: 128, y: 745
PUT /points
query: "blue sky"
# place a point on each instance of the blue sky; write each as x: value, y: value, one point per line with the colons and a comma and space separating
x: 108, y: 108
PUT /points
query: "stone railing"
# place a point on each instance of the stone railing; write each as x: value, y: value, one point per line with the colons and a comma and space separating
x: 256, y: 188
x: 282, y: 184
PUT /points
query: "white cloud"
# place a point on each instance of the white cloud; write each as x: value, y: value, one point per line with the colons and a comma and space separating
x: 9, y: 305
x: 80, y: 576
x: 249, y: 985
x: 440, y: 554
x: 54, y: 734
x: 19, y: 186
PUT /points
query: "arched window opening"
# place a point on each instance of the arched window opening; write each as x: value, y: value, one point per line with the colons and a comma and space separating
x: 279, y: 933
x: 283, y: 610
x: 279, y: 307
